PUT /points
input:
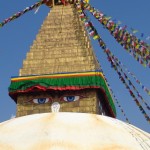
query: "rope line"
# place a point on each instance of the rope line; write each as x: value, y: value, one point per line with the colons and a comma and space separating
x: 136, y: 47
x: 93, y: 33
x: 20, y: 13
x: 132, y: 74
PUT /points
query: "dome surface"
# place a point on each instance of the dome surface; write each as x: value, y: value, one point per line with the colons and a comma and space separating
x: 70, y: 131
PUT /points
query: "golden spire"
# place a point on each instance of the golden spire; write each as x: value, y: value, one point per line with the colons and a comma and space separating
x: 62, y: 45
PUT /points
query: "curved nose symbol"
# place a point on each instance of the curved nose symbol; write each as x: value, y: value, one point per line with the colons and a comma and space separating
x: 55, y: 107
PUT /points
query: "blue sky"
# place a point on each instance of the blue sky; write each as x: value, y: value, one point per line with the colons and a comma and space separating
x: 16, y: 38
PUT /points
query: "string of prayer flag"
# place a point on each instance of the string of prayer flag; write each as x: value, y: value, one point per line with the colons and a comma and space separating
x: 136, y: 47
x: 126, y: 77
x: 91, y: 28
x: 132, y: 74
x: 114, y: 66
x: 116, y: 101
x: 20, y: 13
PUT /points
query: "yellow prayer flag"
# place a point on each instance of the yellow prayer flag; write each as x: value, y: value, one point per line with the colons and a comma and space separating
x: 144, y: 64
x: 87, y: 1
x: 95, y: 37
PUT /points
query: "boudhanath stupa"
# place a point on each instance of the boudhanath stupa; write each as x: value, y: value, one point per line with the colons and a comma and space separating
x: 62, y: 97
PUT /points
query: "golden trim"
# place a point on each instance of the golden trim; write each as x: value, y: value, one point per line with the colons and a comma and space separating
x: 57, y: 76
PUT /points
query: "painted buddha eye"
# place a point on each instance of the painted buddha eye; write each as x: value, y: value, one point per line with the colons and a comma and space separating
x: 71, y: 98
x: 41, y: 100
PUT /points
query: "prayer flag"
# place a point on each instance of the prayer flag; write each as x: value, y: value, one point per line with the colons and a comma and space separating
x: 95, y: 37
x: 87, y: 1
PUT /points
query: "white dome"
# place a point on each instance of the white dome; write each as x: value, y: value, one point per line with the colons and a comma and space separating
x: 70, y: 131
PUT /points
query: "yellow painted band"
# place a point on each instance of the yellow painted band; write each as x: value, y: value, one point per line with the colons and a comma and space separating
x: 57, y: 76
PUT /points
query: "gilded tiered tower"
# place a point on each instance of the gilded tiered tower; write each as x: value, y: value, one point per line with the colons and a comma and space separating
x: 61, y: 72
